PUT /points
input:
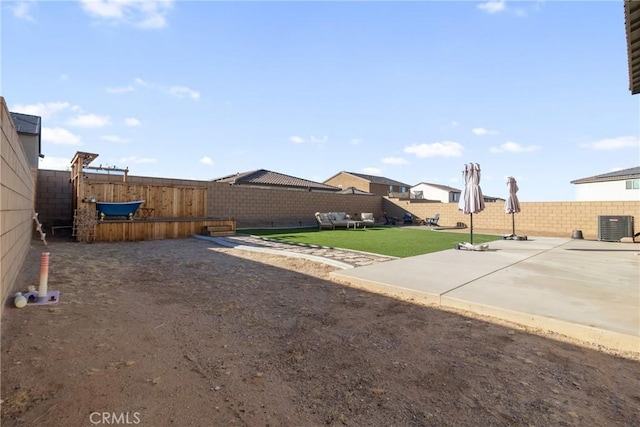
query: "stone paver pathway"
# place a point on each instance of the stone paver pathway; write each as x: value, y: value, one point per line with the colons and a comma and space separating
x: 339, y: 257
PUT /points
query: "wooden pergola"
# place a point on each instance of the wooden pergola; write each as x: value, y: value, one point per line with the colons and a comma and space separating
x: 80, y: 164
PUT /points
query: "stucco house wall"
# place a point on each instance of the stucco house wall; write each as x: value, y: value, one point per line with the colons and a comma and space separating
x: 606, y: 191
x: 346, y: 180
x: 433, y: 193
x: 31, y: 146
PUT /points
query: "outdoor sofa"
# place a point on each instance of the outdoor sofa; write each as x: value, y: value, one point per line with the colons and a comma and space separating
x: 332, y: 219
x: 342, y: 219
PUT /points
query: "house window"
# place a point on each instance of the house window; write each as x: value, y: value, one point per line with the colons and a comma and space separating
x: 633, y: 184
x: 455, y: 197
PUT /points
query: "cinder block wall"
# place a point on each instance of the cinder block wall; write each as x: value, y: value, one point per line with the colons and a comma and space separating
x: 555, y: 219
x: 260, y: 207
x: 17, y: 194
x: 54, y: 195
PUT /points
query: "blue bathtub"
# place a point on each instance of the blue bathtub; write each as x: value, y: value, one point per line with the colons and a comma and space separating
x: 127, y: 209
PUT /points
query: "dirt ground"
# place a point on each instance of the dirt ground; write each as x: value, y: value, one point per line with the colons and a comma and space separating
x: 179, y: 332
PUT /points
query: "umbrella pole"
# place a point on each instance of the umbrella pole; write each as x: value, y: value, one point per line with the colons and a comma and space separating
x: 513, y: 224
x: 471, y: 228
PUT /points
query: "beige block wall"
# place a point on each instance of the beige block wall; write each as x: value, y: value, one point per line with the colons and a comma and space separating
x: 259, y: 207
x: 54, y: 195
x: 556, y: 219
x: 17, y: 194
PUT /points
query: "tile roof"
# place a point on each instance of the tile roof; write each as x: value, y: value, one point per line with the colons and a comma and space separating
x: 353, y: 190
x: 630, y: 173
x: 379, y: 179
x: 25, y: 123
x: 273, y: 179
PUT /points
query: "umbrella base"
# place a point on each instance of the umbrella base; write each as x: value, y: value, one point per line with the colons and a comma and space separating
x: 471, y: 247
x: 513, y: 237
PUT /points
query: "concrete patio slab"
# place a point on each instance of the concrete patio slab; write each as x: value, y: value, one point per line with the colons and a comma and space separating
x: 588, y: 290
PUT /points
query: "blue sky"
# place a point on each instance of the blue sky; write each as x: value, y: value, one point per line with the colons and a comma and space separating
x: 407, y: 90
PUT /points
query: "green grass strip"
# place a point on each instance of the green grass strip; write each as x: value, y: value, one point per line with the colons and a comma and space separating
x: 393, y: 241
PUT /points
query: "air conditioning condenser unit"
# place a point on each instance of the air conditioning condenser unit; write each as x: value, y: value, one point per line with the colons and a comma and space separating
x: 612, y: 228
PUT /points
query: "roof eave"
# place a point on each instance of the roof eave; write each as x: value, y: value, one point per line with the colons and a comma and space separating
x: 632, y: 25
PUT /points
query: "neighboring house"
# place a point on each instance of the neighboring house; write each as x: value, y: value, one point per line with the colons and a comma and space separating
x: 429, y: 191
x: 491, y: 199
x: 377, y: 185
x: 29, y: 131
x: 443, y: 193
x: 619, y: 185
x: 262, y: 178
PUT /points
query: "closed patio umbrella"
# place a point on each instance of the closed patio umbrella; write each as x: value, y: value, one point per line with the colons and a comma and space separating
x: 512, y: 204
x: 473, y: 200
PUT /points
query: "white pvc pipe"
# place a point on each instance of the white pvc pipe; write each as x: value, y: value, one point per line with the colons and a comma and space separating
x: 44, y: 277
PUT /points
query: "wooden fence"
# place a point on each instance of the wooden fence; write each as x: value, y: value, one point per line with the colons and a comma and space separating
x: 129, y: 231
x: 165, y: 201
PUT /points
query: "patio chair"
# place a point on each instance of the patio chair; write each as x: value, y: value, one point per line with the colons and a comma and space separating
x: 389, y: 220
x: 367, y: 218
x: 407, y: 218
x: 433, y: 222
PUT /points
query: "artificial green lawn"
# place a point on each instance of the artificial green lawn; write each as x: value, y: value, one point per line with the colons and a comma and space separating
x: 394, y: 241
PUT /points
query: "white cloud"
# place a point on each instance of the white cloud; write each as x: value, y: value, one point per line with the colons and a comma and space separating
x: 493, y: 6
x: 614, y: 143
x: 113, y: 138
x: 319, y: 140
x: 183, y: 91
x: 483, y: 131
x: 177, y: 91
x: 54, y: 163
x: 372, y: 171
x: 296, y: 139
x: 64, y: 77
x: 436, y: 149
x: 90, y: 121
x: 355, y: 141
x: 131, y: 121
x: 134, y: 159
x: 151, y: 22
x: 43, y: 110
x: 395, y: 161
x: 22, y: 9
x: 59, y: 136
x: 148, y: 14
x: 207, y: 160
x: 514, y: 147
x: 454, y: 124
x: 122, y: 89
